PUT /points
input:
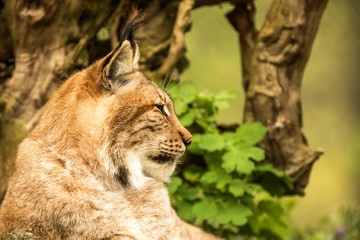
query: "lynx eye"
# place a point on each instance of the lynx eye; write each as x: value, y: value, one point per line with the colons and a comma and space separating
x: 163, y: 109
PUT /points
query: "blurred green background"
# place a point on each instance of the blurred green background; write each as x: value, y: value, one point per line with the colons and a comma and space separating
x: 330, y: 97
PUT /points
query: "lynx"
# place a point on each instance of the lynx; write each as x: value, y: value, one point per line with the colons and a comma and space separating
x: 95, y: 165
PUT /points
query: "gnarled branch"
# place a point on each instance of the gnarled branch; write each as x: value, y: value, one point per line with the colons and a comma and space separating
x: 177, y: 42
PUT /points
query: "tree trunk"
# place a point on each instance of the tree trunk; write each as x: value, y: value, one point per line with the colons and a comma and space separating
x: 44, y: 36
x: 274, y: 60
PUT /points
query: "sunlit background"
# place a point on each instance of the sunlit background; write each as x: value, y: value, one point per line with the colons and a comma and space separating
x: 330, y: 97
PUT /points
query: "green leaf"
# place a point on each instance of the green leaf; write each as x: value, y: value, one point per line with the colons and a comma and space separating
x: 237, y: 212
x: 188, y: 118
x: 223, y: 217
x: 212, y: 142
x: 229, y: 138
x: 245, y: 167
x: 251, y: 133
x: 186, y: 91
x: 255, y: 153
x: 174, y: 184
x: 213, y: 159
x: 271, y: 208
x: 209, y: 177
x: 271, y: 216
x: 254, y: 189
x: 205, y: 210
x: 216, y: 176
x: 195, y: 145
x: 185, y: 210
x: 237, y: 187
x: 239, y: 215
x: 181, y: 107
x: 237, y: 160
x: 192, y: 173
x: 189, y: 193
x: 221, y: 100
x: 230, y: 161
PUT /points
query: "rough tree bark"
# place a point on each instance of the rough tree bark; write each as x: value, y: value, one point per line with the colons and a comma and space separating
x: 44, y: 37
x: 273, y: 63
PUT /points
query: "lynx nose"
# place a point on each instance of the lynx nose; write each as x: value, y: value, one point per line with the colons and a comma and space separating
x: 187, y: 142
x: 184, y: 134
x: 186, y: 137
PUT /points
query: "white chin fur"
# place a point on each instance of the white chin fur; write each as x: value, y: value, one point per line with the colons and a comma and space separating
x: 137, y: 178
x: 141, y: 169
x: 161, y: 172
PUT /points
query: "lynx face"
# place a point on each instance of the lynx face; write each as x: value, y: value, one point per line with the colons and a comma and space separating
x: 144, y: 132
x: 143, y: 135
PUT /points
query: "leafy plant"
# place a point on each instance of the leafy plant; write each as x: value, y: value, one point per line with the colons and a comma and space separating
x: 230, y: 192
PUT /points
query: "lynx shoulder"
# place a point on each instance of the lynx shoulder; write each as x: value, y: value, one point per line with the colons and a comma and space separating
x: 95, y: 165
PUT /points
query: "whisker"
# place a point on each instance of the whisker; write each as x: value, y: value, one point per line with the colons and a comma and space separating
x: 168, y: 80
x: 173, y: 87
x: 163, y: 81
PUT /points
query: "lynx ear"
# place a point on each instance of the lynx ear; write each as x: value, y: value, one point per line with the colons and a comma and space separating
x: 123, y: 61
x: 125, y: 58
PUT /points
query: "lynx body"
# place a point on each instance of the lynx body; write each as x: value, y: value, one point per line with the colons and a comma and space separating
x: 95, y: 165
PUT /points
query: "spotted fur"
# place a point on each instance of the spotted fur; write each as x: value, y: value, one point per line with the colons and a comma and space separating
x: 94, y: 166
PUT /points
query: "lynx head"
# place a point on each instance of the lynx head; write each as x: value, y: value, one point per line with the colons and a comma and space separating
x: 115, y: 120
x: 141, y: 136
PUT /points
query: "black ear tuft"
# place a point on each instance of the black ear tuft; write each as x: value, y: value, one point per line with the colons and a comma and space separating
x: 134, y: 20
x: 123, y: 60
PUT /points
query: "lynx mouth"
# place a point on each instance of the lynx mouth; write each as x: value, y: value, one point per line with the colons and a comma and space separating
x: 163, y: 159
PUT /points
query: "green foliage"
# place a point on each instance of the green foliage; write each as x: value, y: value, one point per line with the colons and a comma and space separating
x: 329, y: 229
x: 225, y: 193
